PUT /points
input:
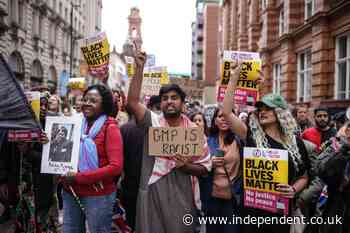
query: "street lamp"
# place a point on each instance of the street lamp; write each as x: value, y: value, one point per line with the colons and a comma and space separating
x: 71, y: 39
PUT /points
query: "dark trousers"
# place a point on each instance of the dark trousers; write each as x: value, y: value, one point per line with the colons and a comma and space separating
x: 217, y: 207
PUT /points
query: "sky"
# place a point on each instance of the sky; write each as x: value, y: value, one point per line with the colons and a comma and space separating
x: 166, y: 29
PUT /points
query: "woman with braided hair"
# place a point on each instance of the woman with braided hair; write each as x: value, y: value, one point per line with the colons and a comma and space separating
x: 270, y: 126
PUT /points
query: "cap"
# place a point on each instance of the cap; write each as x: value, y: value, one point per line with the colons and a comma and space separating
x: 272, y: 101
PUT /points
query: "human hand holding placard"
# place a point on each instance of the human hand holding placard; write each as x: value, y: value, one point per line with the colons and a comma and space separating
x: 286, y: 190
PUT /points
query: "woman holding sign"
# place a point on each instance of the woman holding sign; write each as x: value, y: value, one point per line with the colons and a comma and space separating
x: 216, y: 194
x: 271, y: 126
x: 90, y: 193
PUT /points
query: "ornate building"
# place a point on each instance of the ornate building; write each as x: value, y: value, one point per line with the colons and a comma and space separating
x: 117, y: 73
x: 36, y: 37
x: 134, y: 32
x: 304, y: 45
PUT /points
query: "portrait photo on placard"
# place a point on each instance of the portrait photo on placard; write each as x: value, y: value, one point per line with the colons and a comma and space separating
x: 61, y: 147
x: 61, y: 154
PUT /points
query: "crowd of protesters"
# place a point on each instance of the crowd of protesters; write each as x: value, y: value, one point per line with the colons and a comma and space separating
x: 130, y: 191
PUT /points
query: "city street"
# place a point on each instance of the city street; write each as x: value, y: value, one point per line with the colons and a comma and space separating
x: 187, y: 116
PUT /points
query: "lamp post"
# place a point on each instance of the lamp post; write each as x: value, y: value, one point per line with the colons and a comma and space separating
x: 71, y: 39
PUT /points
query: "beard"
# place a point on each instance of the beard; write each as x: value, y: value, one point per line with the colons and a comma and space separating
x: 322, y: 124
x: 174, y: 114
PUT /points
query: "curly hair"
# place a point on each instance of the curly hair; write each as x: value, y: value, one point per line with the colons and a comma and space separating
x: 287, y: 125
x: 108, y: 106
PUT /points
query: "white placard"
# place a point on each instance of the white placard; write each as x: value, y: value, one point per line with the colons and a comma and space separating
x: 61, y: 154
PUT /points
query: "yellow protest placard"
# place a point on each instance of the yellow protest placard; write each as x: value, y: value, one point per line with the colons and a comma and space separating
x: 95, y: 50
x: 130, y: 66
x: 77, y: 84
x: 247, y: 85
x: 164, y: 79
x: 263, y: 170
x: 170, y: 141
x: 154, y: 78
x: 34, y: 101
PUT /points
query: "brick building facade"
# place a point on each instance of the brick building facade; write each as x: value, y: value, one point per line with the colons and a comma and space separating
x: 35, y: 37
x: 304, y: 45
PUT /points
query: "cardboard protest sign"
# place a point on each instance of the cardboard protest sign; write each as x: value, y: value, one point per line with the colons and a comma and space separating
x: 96, y: 54
x: 61, y: 154
x: 154, y: 78
x: 247, y: 86
x: 170, y: 141
x: 263, y: 169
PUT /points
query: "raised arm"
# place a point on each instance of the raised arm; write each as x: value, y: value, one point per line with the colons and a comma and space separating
x: 237, y: 126
x: 133, y: 100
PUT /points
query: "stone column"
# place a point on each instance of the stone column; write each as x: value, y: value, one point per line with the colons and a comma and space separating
x: 234, y: 25
x: 225, y: 25
x: 242, y: 33
x: 253, y: 30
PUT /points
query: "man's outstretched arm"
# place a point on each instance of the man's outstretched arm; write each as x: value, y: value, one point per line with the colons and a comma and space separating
x: 133, y: 100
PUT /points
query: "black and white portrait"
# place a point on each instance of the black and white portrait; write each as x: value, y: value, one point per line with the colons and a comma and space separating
x: 61, y: 154
x: 61, y: 143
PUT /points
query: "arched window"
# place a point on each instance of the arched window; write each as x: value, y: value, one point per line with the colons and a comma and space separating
x: 52, y: 80
x: 16, y: 64
x: 37, y: 73
x: 134, y: 33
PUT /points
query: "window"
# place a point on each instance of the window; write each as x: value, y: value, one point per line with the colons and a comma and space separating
x: 40, y: 26
x: 66, y: 14
x: 263, y: 4
x: 51, y: 34
x: 200, y: 7
x: 309, y: 8
x: 304, y: 84
x: 35, y: 24
x: 281, y: 22
x: 60, y: 9
x: 56, y: 32
x: 342, y: 68
x: 13, y: 10
x: 54, y: 5
x: 22, y: 14
x: 277, y: 76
